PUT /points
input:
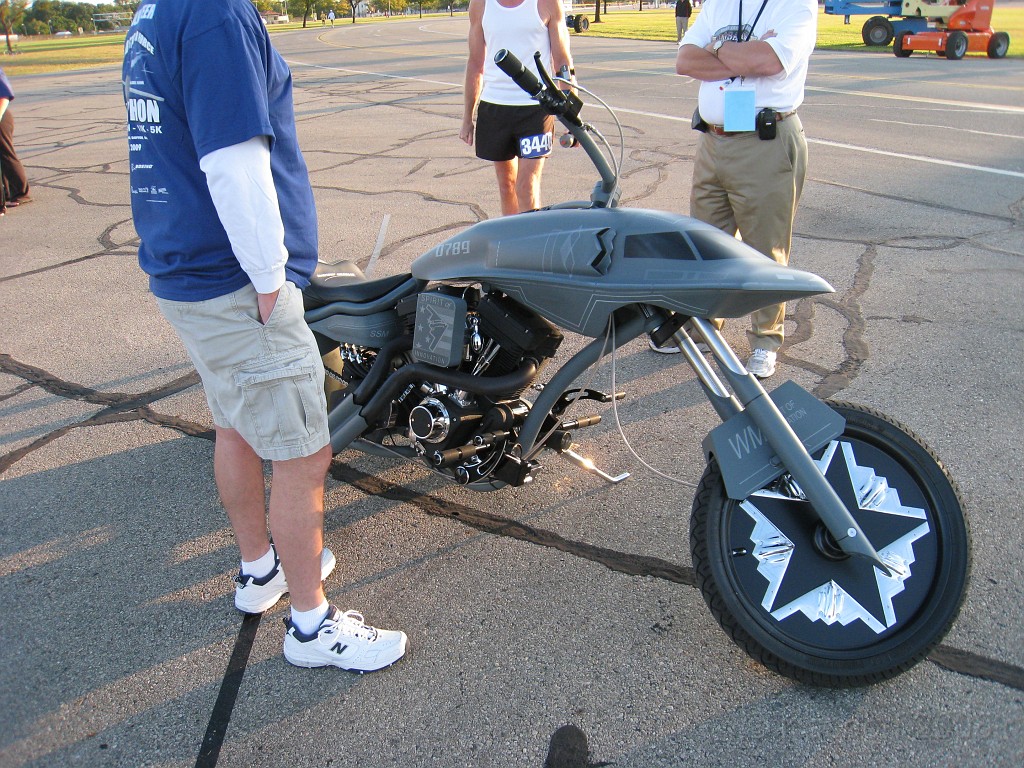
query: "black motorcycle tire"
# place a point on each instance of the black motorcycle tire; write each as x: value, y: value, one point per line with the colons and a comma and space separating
x: 835, y: 654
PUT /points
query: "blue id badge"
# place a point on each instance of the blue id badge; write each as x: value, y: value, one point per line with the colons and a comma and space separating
x: 535, y: 146
x: 739, y: 109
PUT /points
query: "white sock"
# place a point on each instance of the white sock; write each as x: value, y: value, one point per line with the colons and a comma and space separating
x: 308, y: 622
x: 261, y: 567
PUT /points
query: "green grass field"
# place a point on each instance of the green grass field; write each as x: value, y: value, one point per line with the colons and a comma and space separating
x: 34, y: 56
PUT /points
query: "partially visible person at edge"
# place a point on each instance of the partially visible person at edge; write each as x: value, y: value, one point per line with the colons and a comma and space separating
x: 683, y: 13
x: 223, y: 206
x: 509, y: 127
x: 749, y: 182
x: 12, y: 172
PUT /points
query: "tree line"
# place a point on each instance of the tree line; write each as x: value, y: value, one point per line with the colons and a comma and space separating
x: 46, y: 17
x: 307, y: 10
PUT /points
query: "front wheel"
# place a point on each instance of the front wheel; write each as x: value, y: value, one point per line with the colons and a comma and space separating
x: 956, y: 45
x: 998, y: 45
x: 784, y: 591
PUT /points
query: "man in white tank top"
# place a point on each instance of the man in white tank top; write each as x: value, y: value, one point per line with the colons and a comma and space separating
x: 509, y: 127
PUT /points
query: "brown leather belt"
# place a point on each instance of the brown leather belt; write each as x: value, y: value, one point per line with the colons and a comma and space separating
x: 720, y: 131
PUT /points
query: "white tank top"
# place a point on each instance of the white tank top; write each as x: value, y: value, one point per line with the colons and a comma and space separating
x: 521, y: 31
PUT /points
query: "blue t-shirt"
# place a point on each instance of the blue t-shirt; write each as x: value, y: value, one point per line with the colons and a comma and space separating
x: 6, y: 91
x: 198, y: 77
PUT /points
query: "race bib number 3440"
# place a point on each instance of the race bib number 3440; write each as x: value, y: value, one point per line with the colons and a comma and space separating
x: 535, y: 146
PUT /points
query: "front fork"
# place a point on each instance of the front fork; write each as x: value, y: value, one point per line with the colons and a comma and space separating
x: 750, y: 397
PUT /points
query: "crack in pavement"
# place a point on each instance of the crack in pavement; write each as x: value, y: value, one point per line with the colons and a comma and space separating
x: 633, y: 565
x: 118, y: 407
x: 109, y: 247
x: 70, y: 262
x: 854, y: 345
x: 855, y: 348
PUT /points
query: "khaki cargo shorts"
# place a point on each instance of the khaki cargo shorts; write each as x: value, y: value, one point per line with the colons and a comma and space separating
x: 264, y: 381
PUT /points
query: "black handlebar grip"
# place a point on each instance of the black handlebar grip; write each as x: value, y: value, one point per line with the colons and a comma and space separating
x: 507, y: 62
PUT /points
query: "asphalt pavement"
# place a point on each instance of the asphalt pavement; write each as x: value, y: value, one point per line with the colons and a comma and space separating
x: 554, y: 625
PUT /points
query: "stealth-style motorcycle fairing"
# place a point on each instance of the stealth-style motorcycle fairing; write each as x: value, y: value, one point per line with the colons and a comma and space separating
x: 576, y: 267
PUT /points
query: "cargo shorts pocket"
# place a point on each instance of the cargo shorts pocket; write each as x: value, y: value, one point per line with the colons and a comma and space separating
x: 282, y: 398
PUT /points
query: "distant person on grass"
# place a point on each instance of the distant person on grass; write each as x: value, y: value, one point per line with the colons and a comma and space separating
x: 684, y: 10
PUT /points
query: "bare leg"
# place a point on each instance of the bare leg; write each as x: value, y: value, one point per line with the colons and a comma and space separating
x: 528, y: 184
x: 297, y: 523
x: 507, y: 187
x: 239, y: 475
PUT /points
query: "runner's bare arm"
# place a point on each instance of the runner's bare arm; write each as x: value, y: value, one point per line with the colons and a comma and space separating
x: 553, y: 15
x: 474, y: 70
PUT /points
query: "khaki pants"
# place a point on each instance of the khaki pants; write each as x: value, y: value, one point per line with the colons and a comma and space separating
x: 746, y: 185
x: 682, y: 22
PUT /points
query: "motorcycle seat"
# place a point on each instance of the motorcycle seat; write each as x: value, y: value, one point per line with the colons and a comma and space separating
x: 345, y: 281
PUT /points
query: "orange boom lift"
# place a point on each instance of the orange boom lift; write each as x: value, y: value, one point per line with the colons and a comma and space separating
x: 960, y: 27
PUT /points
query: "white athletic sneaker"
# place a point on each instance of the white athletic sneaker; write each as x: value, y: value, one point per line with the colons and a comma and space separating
x: 254, y: 595
x: 344, y: 641
x: 761, y: 363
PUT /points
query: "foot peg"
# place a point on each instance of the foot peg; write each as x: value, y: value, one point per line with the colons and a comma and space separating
x: 586, y: 464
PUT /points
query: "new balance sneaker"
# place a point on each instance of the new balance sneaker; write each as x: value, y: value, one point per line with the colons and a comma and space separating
x: 761, y: 363
x: 344, y: 640
x: 254, y: 595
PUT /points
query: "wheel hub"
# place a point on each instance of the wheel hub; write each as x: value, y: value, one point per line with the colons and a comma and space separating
x: 826, y: 544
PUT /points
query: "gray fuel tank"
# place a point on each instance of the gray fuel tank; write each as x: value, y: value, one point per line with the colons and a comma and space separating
x: 576, y: 267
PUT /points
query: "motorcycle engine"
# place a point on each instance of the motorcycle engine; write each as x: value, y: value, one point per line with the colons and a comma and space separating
x: 455, y: 428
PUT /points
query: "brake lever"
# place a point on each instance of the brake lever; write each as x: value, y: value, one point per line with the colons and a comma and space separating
x: 545, y: 78
x: 565, y: 103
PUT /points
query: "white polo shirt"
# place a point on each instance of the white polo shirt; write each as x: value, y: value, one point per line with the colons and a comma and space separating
x: 795, y: 24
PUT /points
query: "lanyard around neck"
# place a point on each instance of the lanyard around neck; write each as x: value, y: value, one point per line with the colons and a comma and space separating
x: 739, y: 25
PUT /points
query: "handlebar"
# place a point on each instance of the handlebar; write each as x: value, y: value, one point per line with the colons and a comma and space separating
x: 508, y: 63
x: 566, y: 106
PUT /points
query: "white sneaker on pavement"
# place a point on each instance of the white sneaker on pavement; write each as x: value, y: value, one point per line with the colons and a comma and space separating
x: 254, y: 595
x: 344, y: 640
x: 761, y: 363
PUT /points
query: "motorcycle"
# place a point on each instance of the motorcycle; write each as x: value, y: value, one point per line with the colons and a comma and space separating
x: 827, y: 539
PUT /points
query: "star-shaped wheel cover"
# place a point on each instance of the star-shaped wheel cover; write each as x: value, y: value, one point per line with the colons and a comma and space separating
x: 801, y: 580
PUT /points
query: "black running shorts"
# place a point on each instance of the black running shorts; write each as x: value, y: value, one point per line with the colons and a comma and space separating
x: 504, y: 132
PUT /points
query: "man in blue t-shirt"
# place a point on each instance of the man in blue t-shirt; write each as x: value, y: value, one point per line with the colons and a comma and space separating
x: 224, y: 209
